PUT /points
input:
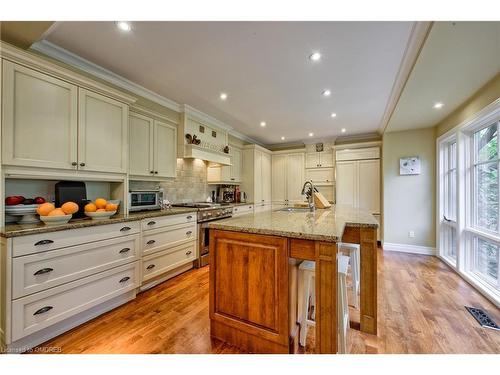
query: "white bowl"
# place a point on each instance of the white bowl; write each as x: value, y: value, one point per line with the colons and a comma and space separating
x: 56, y: 220
x: 100, y: 215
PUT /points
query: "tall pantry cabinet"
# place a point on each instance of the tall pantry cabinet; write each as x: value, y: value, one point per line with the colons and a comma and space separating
x: 287, y: 177
x: 358, y: 179
x: 256, y: 176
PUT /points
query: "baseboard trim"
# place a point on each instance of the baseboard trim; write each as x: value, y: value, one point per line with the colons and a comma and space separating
x: 412, y: 249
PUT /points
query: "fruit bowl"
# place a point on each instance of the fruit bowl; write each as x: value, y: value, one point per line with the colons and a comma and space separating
x: 56, y: 220
x: 25, y: 214
x: 101, y: 215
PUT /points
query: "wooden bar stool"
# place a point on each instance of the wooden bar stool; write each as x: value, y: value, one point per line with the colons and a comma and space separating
x: 353, y: 251
x: 306, y: 300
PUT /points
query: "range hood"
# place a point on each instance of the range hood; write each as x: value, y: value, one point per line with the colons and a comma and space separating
x: 200, y: 136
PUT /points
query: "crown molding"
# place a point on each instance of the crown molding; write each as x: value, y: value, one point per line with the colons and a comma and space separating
x: 47, y: 48
x: 416, y: 41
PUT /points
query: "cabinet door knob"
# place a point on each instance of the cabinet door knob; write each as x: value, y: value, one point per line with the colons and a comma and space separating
x: 152, y: 223
x: 150, y: 242
x: 124, y: 250
x: 74, y: 164
x: 156, y: 172
x: 44, y: 242
x: 43, y: 310
x: 188, y: 233
x: 43, y: 271
x: 188, y: 252
x: 189, y: 217
x: 150, y: 267
x: 125, y: 229
x: 82, y: 164
x: 151, y: 172
x: 126, y: 278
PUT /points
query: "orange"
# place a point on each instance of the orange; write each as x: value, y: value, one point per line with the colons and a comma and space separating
x: 90, y: 207
x: 101, y: 210
x: 45, y: 208
x: 70, y: 208
x: 100, y: 202
x: 111, y: 207
x: 56, y: 212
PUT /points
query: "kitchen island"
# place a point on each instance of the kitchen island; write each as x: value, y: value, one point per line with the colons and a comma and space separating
x: 253, y: 275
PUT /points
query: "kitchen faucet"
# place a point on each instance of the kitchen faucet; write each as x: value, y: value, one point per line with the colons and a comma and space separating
x: 309, y: 194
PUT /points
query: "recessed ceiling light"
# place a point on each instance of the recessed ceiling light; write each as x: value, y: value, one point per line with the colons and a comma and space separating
x: 263, y: 123
x: 327, y: 92
x: 438, y: 105
x: 316, y: 56
x: 311, y: 134
x: 223, y: 96
x: 343, y: 130
x: 282, y: 138
x: 123, y: 26
x: 333, y: 114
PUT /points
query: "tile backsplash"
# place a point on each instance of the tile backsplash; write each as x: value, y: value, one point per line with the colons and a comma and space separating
x: 189, y: 185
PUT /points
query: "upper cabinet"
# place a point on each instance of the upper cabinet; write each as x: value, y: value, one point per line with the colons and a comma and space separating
x: 152, y: 147
x: 256, y: 174
x: 39, y: 119
x: 228, y: 174
x: 102, y: 133
x: 48, y: 122
x: 323, y: 159
x: 287, y: 177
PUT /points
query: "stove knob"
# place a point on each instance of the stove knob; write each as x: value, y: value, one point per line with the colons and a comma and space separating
x: 209, y: 214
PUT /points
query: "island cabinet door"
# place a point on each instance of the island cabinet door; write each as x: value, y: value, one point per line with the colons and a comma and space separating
x: 249, y: 291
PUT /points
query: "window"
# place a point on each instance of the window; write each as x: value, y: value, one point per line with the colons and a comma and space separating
x: 468, y: 222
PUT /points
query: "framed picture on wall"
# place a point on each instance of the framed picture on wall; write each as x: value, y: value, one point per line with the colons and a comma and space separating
x: 409, y: 165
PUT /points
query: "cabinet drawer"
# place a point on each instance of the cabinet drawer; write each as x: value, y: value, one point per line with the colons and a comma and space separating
x: 40, y: 310
x: 164, y: 261
x: 162, y: 238
x: 165, y: 221
x: 263, y: 208
x: 37, y: 243
x: 241, y: 210
x: 320, y: 176
x: 37, y: 272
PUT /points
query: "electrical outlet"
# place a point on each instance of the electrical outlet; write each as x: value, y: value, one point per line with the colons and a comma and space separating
x: 411, y: 234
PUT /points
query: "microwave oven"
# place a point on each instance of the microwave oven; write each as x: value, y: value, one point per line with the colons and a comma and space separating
x: 140, y: 200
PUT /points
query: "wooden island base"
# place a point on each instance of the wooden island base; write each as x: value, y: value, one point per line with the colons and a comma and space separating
x: 253, y: 290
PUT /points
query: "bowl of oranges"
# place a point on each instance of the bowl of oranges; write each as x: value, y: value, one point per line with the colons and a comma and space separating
x: 51, y: 215
x: 100, y: 209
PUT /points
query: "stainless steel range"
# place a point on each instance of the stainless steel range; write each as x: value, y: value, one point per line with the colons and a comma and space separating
x: 207, y: 212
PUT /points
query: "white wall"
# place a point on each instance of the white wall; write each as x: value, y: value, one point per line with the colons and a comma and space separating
x: 409, y: 201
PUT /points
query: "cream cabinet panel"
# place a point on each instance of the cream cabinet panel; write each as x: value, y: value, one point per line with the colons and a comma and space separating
x: 327, y: 191
x: 279, y: 181
x: 141, y: 145
x: 326, y: 159
x: 266, y: 178
x: 258, y: 195
x: 236, y: 165
x: 369, y: 185
x: 102, y: 133
x: 312, y: 160
x: 346, y: 183
x: 320, y: 175
x: 295, y: 177
x: 165, y: 150
x: 39, y: 119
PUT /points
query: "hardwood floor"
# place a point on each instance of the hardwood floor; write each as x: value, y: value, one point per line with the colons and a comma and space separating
x: 420, y: 309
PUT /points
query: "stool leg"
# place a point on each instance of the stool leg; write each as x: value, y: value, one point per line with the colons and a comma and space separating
x: 354, y: 260
x: 305, y: 308
x: 342, y: 306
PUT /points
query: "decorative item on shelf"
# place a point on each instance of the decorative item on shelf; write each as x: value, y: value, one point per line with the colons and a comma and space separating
x: 192, y: 139
x: 189, y: 139
x: 226, y: 150
x: 196, y: 141
x: 101, y: 209
x: 202, y: 129
x: 319, y: 147
x: 409, y: 165
x: 214, y: 134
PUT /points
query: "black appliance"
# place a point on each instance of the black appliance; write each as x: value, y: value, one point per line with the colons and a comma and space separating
x: 72, y: 191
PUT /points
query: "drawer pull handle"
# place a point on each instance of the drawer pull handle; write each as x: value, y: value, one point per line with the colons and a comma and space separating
x: 125, y: 229
x: 189, y: 252
x: 43, y: 310
x: 150, y: 242
x: 124, y: 250
x: 43, y: 271
x: 126, y: 278
x: 236, y: 209
x: 152, y: 223
x: 189, y: 217
x: 150, y: 267
x: 44, y: 242
x: 188, y: 233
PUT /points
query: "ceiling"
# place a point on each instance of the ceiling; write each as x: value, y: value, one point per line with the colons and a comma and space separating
x: 457, y: 59
x: 262, y: 66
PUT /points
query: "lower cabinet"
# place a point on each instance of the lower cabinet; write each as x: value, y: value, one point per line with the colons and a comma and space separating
x: 242, y: 210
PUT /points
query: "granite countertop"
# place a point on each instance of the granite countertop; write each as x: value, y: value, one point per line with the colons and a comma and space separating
x: 322, y: 224
x: 16, y: 230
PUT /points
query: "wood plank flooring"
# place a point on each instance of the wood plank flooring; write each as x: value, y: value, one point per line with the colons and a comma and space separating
x: 420, y: 309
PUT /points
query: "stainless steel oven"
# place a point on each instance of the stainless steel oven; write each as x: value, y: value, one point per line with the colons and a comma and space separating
x: 140, y: 200
x: 205, y: 217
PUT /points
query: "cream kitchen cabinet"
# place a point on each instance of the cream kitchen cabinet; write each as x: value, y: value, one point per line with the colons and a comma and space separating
x: 50, y: 123
x: 230, y: 174
x: 39, y: 119
x: 322, y: 159
x: 320, y: 176
x: 152, y: 150
x: 256, y: 175
x: 287, y: 178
